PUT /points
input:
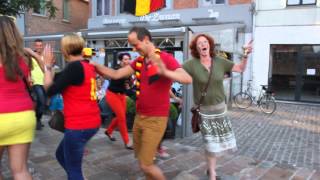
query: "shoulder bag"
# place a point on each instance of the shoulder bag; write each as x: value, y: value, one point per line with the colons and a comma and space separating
x: 56, y: 121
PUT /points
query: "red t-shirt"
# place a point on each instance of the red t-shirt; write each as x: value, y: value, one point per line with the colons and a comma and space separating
x: 154, y: 98
x: 81, y: 110
x: 14, y: 96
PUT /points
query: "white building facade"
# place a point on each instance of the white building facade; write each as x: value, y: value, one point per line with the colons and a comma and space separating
x: 287, y: 48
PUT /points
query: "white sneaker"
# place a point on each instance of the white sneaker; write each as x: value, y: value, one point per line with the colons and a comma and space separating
x: 163, y: 154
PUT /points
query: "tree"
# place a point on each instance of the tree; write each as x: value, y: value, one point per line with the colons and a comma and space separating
x: 18, y: 7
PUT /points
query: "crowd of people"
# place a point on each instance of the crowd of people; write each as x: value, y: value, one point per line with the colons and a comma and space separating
x: 82, y: 84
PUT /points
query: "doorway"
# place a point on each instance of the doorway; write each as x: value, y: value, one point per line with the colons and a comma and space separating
x: 296, y: 72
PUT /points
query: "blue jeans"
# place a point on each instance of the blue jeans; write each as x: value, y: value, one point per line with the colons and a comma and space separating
x: 41, y: 101
x: 70, y: 151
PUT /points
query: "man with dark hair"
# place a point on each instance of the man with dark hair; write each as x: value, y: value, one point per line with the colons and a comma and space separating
x: 37, y: 81
x: 38, y: 46
x: 154, y: 70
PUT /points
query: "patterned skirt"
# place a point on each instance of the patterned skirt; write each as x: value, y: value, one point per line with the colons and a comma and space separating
x: 216, y: 129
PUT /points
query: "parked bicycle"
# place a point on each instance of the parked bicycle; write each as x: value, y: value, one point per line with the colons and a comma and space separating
x: 266, y: 101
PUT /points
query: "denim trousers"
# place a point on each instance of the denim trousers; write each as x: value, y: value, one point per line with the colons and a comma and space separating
x: 70, y: 151
x: 41, y: 100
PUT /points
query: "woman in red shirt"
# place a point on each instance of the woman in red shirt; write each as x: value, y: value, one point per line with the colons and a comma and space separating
x: 17, y: 117
x: 77, y: 84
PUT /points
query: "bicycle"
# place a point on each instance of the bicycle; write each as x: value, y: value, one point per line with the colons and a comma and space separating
x: 266, y: 101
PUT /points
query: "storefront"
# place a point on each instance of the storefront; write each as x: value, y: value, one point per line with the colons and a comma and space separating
x: 174, y: 29
x: 289, y: 62
x: 296, y: 72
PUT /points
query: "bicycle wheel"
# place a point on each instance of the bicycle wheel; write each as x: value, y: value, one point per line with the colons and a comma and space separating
x: 242, y: 100
x: 268, y: 104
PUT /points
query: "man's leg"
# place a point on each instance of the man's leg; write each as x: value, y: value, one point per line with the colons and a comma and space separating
x: 41, y: 103
x: 152, y: 172
x: 153, y: 129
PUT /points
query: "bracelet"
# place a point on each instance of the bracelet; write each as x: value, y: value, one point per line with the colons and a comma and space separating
x: 47, y: 68
x: 243, y: 56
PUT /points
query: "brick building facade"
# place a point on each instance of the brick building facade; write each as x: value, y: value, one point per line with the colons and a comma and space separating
x: 73, y: 19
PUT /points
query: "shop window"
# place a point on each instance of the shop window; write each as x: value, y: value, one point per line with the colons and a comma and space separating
x: 300, y: 2
x: 66, y: 9
x: 40, y: 9
x: 212, y: 2
x: 103, y: 7
x: 121, y: 6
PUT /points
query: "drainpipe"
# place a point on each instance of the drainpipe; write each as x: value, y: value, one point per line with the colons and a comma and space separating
x: 253, y: 13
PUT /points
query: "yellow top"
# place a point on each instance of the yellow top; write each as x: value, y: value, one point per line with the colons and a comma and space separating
x: 36, y: 73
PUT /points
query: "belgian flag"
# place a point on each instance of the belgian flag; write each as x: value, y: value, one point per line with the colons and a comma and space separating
x: 143, y: 7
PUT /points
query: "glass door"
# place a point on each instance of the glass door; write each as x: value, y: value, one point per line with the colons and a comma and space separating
x: 310, y: 76
x: 284, y: 69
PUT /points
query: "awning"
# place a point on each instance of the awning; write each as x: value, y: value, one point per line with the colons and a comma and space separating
x: 216, y: 27
x: 124, y: 33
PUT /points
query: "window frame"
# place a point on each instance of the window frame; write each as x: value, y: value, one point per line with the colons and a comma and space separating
x: 65, y: 6
x: 103, y: 8
x: 42, y: 9
x: 301, y: 3
x: 202, y: 3
x: 171, y: 5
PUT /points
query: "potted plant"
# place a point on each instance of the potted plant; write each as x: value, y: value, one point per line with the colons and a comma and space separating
x: 130, y: 113
x: 172, y: 121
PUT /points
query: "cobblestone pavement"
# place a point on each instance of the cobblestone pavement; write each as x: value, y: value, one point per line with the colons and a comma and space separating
x: 284, y: 146
x: 289, y: 136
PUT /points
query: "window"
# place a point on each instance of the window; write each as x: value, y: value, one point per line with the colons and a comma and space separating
x: 212, y: 2
x: 103, y: 7
x: 66, y: 9
x: 300, y: 2
x: 40, y: 9
x: 169, y: 4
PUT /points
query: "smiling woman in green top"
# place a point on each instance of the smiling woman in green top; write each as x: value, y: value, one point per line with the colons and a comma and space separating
x: 215, y: 126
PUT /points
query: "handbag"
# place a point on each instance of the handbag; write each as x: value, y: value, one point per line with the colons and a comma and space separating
x: 56, y: 121
x: 195, y: 119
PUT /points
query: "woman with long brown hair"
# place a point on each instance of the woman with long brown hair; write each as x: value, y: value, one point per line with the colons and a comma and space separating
x: 17, y: 117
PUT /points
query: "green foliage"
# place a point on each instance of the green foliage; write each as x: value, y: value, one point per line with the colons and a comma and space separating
x: 18, y: 7
x: 131, y: 106
x: 173, y: 115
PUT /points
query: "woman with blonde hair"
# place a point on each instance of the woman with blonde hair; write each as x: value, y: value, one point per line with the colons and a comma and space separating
x: 17, y: 117
x: 77, y: 84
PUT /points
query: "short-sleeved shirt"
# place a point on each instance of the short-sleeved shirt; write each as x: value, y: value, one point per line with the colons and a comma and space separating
x: 36, y: 73
x: 200, y: 75
x: 154, y: 98
x: 77, y: 83
x: 14, y: 96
